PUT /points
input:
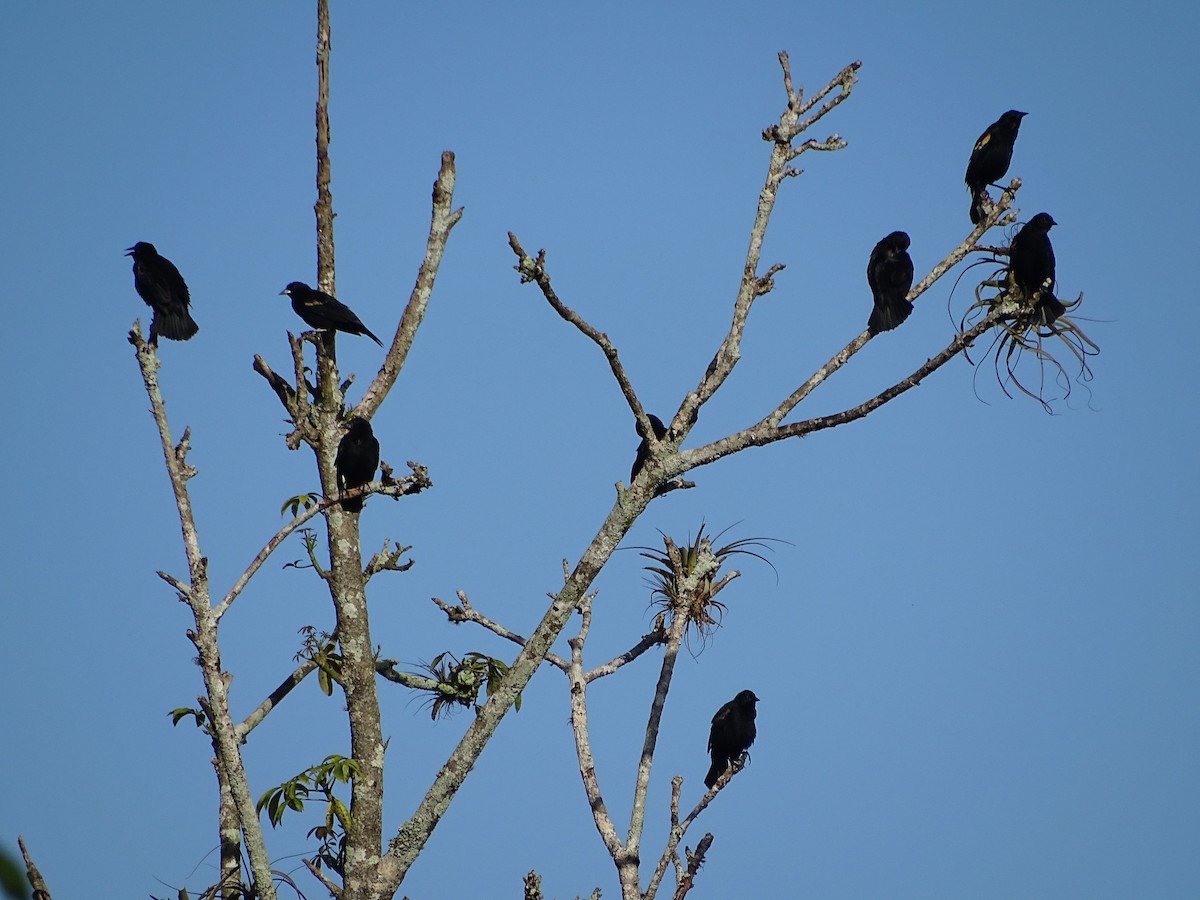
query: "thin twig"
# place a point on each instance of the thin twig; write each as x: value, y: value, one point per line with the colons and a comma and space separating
x: 465, y: 612
x: 535, y: 270
x: 651, y: 639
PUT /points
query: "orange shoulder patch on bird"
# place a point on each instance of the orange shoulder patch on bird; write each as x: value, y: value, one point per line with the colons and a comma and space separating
x: 982, y: 142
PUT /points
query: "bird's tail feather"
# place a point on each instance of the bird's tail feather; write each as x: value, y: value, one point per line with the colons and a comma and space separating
x: 176, y: 326
x: 715, y: 771
x: 977, y: 212
x: 1050, y: 307
x: 887, y: 317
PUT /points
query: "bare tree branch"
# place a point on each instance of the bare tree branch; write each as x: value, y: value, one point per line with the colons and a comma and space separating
x: 387, y: 559
x: 695, y: 861
x: 535, y: 270
x: 324, y: 205
x: 764, y: 432
x: 583, y: 746
x: 387, y: 669
x: 412, y: 837
x: 752, y: 286
x: 276, y: 696
x: 465, y: 612
x: 36, y: 881
x: 637, y: 818
x: 204, y: 636
x: 651, y: 639
x: 443, y: 220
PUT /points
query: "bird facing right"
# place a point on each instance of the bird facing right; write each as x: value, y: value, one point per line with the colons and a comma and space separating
x: 1031, y: 263
x: 733, y: 731
x: 159, y: 283
x: 323, y: 312
x: 356, y: 461
x: 890, y: 275
x: 991, y: 158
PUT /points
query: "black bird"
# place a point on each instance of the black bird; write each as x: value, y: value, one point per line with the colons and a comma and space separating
x: 990, y: 159
x: 356, y: 461
x: 890, y: 275
x: 732, y: 734
x: 643, y: 450
x: 159, y: 283
x: 1031, y: 263
x: 325, y: 313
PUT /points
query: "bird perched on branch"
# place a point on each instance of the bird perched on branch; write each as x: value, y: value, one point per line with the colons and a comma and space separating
x: 159, y: 283
x: 356, y: 461
x: 643, y: 450
x: 890, y: 275
x: 1031, y: 264
x: 325, y: 313
x: 990, y: 159
x: 732, y: 733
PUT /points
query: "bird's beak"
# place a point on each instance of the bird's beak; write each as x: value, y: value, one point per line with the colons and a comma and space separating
x: 129, y: 251
x: 283, y: 293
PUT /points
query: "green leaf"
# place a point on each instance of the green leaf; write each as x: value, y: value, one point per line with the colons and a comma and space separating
x: 183, y: 712
x: 308, y: 501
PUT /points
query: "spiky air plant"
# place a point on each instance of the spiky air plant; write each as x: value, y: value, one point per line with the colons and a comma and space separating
x: 685, y: 580
x: 457, y: 682
x: 1028, y: 325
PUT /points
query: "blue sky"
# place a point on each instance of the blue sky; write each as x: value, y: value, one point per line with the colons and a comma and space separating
x: 978, y: 658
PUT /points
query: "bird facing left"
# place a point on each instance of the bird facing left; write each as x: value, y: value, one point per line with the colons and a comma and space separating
x: 159, y: 283
x: 323, y: 312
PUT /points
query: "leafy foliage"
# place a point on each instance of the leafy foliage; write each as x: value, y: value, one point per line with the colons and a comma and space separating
x: 321, y: 648
x: 294, y: 504
x: 321, y: 779
x: 182, y: 712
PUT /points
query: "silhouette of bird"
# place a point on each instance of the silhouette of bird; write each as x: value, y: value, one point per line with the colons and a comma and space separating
x: 643, y: 450
x: 890, y: 275
x: 732, y: 734
x: 356, y: 461
x: 159, y: 283
x: 990, y: 159
x: 1031, y: 263
x: 325, y: 313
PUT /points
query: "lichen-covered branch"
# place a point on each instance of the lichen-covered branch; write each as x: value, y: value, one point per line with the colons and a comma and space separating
x: 695, y: 861
x: 583, y: 745
x: 36, y: 881
x: 637, y: 817
x: 324, y: 205
x: 410, y: 484
x: 765, y: 432
x: 204, y: 635
x: 752, y: 284
x: 407, y: 845
x: 442, y: 221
